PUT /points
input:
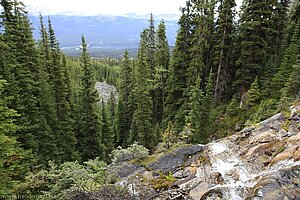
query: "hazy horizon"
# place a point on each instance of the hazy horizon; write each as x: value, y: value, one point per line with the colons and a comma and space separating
x: 106, y: 7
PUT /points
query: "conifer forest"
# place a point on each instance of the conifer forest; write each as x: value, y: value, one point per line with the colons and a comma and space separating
x: 229, y: 69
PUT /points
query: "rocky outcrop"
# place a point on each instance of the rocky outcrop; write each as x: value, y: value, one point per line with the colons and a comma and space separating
x: 261, y: 162
x: 105, y: 90
x: 180, y: 158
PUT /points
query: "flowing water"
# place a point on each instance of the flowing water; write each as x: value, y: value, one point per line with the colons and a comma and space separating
x: 238, y: 175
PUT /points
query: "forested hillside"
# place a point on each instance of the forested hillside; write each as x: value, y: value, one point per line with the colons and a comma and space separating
x: 227, y: 70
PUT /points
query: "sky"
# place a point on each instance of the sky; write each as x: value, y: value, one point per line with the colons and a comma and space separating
x: 105, y: 7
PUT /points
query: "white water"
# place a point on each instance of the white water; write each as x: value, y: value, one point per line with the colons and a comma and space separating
x: 239, y: 176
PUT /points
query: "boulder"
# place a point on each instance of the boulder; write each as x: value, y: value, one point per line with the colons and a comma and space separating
x: 124, y: 169
x: 280, y: 185
x: 273, y: 122
x: 199, y: 191
x: 263, y: 137
x: 180, y: 174
x: 176, y: 159
x: 290, y: 153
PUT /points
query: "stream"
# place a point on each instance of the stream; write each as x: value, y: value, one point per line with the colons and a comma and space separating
x: 236, y: 176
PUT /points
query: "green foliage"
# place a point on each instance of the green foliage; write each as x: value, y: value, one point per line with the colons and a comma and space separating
x: 267, y: 108
x: 14, y: 162
x: 176, y: 82
x: 107, y: 70
x: 169, y: 136
x: 89, y: 133
x: 163, y: 182
x: 162, y: 57
x: 223, y: 59
x: 134, y: 151
x: 125, y: 112
x: 142, y: 118
x: 59, y: 181
x: 253, y: 95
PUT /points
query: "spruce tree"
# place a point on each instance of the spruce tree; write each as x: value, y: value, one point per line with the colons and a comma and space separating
x: 253, y: 94
x: 254, y: 31
x: 125, y: 112
x: 22, y: 70
x: 142, y: 118
x: 108, y: 137
x: 193, y: 120
x: 180, y: 61
x: 206, y: 121
x: 89, y: 136
x: 290, y: 58
x: 13, y: 164
x: 224, y: 47
x: 162, y: 57
x: 62, y: 92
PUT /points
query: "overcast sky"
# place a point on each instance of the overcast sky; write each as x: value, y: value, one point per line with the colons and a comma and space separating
x: 107, y: 7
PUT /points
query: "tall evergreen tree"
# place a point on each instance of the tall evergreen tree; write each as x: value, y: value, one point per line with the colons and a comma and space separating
x: 125, y: 113
x: 108, y: 137
x: 61, y: 90
x: 255, y: 29
x: 162, y: 57
x: 290, y: 58
x: 224, y: 47
x: 89, y: 138
x: 180, y: 61
x: 142, y: 118
x: 195, y: 115
x: 23, y: 72
x: 12, y: 157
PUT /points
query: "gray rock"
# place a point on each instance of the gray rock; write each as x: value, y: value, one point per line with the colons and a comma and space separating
x: 295, y: 121
x: 170, y: 162
x: 273, y: 121
x: 105, y: 90
x: 280, y: 185
x: 181, y: 174
x: 124, y: 169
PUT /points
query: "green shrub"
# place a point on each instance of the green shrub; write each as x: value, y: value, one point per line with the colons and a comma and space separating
x: 135, y: 151
x: 58, y: 181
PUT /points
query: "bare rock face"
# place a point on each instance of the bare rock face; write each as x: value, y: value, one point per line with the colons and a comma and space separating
x: 105, y: 91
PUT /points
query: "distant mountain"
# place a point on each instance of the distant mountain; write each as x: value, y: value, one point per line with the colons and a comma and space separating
x: 106, y: 34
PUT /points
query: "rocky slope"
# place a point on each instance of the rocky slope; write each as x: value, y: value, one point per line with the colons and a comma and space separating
x: 105, y: 90
x: 261, y: 162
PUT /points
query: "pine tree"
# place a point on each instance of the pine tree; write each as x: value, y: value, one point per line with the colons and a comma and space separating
x: 290, y: 58
x: 108, y: 137
x: 254, y: 31
x: 89, y: 136
x: 194, y: 117
x: 142, y: 118
x: 293, y: 84
x: 125, y: 113
x: 23, y: 72
x: 13, y: 165
x: 62, y: 92
x: 150, y: 46
x: 200, y: 110
x: 253, y: 95
x: 207, y: 107
x: 223, y: 50
x: 180, y: 61
x: 162, y: 65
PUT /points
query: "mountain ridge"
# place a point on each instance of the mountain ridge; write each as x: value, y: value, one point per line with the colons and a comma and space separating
x: 103, y: 33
